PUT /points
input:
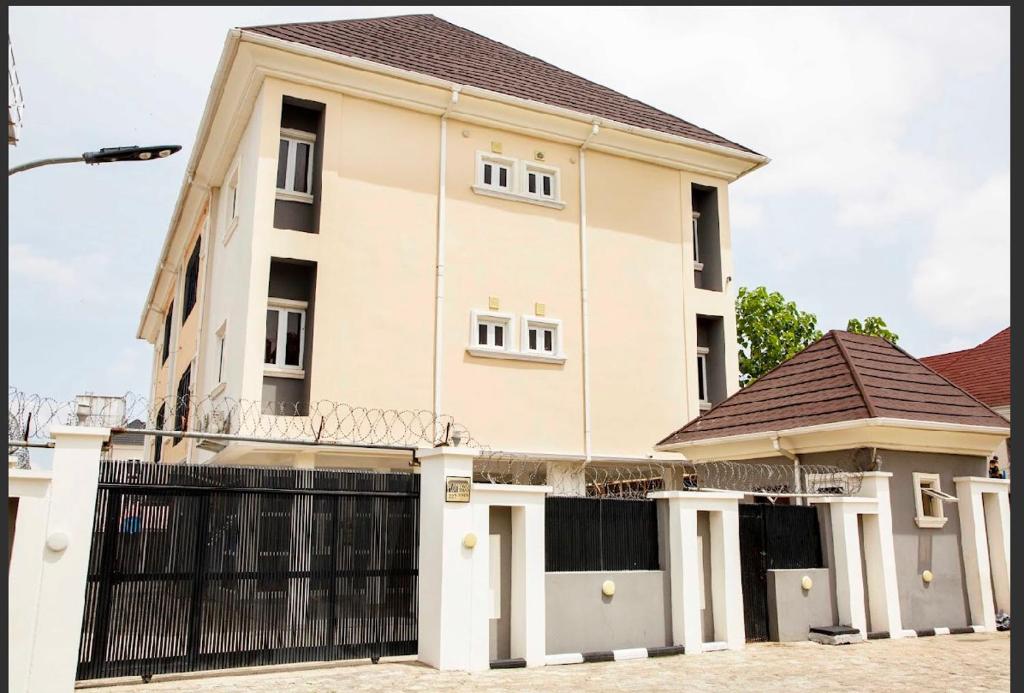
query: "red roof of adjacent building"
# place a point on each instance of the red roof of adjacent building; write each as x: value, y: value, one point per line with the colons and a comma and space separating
x: 983, y: 371
x: 431, y: 46
x: 841, y: 377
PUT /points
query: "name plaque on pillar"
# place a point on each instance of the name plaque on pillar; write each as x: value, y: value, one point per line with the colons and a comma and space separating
x: 456, y: 489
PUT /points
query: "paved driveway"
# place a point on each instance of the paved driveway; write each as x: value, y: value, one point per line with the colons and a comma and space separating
x: 951, y: 662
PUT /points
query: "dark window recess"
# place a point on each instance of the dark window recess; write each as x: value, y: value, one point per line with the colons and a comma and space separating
x: 182, y: 403
x: 293, y: 214
x: 270, y: 350
x: 503, y: 177
x: 533, y: 182
x: 533, y: 340
x: 191, y: 282
x: 167, y: 332
x: 586, y: 534
x: 481, y: 333
x: 282, y: 164
x: 499, y: 335
x: 706, y: 238
x: 488, y: 169
x: 547, y: 186
x: 548, y: 346
x: 158, y: 441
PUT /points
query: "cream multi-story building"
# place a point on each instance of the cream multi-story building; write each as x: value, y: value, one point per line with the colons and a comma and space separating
x: 400, y: 213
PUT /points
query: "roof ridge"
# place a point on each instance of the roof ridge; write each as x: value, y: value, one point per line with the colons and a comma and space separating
x: 338, y: 21
x: 868, y: 403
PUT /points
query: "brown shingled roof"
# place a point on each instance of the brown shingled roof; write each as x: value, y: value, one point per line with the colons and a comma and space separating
x: 983, y: 371
x: 841, y: 377
x: 429, y: 45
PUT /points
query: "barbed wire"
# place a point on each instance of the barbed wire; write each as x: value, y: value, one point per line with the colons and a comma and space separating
x: 30, y: 418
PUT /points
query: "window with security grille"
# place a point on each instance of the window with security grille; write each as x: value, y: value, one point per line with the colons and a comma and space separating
x: 167, y: 333
x: 191, y: 282
x: 182, y: 403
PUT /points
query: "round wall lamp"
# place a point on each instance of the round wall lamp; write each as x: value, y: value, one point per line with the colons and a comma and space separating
x: 806, y: 583
x: 608, y: 588
x: 927, y: 576
x: 469, y: 541
x: 57, y: 541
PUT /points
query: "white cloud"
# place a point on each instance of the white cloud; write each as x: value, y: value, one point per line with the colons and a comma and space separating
x: 963, y: 280
x: 77, y: 280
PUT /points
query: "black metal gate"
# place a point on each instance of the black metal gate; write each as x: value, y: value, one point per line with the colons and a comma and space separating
x: 200, y: 567
x: 773, y: 536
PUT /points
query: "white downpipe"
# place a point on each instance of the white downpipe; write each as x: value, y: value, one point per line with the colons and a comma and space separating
x: 439, y: 280
x: 584, y: 295
x: 796, y: 466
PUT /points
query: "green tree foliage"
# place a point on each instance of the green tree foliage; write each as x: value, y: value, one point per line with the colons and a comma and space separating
x: 769, y: 330
x: 874, y: 326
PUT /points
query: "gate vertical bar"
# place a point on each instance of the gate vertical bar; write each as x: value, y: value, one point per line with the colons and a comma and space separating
x: 198, y: 582
x: 106, y: 579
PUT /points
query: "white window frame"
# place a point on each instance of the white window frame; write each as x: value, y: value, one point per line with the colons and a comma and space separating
x: 697, y: 264
x: 279, y: 368
x: 517, y: 189
x: 541, y: 323
x: 230, y: 191
x: 931, y: 485
x: 222, y: 333
x: 505, y: 320
x: 294, y: 138
x: 530, y: 167
x: 495, y: 160
x: 702, y: 375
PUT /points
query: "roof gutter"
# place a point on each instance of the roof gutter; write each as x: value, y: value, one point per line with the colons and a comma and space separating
x: 227, y: 57
x: 757, y: 160
x: 837, y: 426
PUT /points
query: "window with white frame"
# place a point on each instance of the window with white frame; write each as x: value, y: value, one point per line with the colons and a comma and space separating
x: 540, y: 182
x: 233, y: 197
x: 929, y: 499
x: 697, y: 264
x: 221, y: 335
x: 285, y: 335
x: 495, y: 172
x: 295, y: 165
x: 702, y: 378
x: 542, y: 336
x: 491, y: 331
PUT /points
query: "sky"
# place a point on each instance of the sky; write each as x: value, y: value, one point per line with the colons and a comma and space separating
x: 888, y: 129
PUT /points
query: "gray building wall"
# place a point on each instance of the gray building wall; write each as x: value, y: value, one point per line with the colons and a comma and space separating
x: 792, y: 610
x: 580, y: 618
x: 943, y: 602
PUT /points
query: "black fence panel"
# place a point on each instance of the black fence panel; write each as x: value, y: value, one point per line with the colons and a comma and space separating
x: 584, y: 534
x: 773, y: 536
x: 197, y: 568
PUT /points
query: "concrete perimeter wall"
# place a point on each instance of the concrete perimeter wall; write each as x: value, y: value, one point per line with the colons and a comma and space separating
x: 580, y: 618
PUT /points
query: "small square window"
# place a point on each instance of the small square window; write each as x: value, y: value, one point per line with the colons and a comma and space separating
x: 495, y: 172
x: 929, y: 499
x: 542, y: 336
x: 490, y: 330
x: 541, y: 182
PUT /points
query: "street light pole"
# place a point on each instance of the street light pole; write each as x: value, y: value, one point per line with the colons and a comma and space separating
x: 104, y: 156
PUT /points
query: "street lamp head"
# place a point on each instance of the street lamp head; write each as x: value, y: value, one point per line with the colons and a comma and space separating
x: 135, y: 153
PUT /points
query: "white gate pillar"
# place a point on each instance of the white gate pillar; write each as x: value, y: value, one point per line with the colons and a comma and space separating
x: 686, y: 565
x: 445, y: 564
x: 59, y: 555
x: 984, y: 510
x: 454, y: 560
x: 880, y: 557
